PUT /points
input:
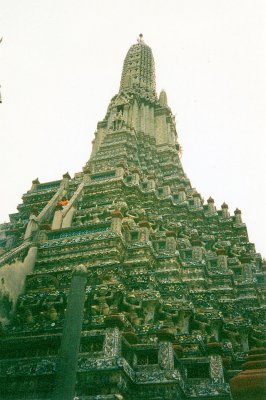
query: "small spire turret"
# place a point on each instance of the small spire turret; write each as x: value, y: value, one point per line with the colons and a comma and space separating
x: 163, y: 98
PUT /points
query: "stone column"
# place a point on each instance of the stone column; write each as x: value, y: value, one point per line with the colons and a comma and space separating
x: 151, y: 183
x: 211, y: 206
x: 238, y: 217
x: 112, y: 342
x: 161, y: 128
x: 197, y: 250
x: 221, y: 259
x: 116, y: 221
x: 135, y: 176
x: 170, y: 242
x: 144, y: 231
x: 68, y: 355
x: 215, y: 325
x: 216, y: 368
x: 247, y: 272
x: 225, y: 211
x: 147, y: 120
x: 197, y: 200
x: 126, y: 114
x: 135, y: 118
x: 152, y: 121
x: 166, y: 190
x: 142, y: 118
x: 182, y: 194
x: 166, y: 352
x: 183, y: 321
x: 244, y: 332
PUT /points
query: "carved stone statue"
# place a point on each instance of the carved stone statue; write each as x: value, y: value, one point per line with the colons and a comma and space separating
x: 133, y: 306
x: 102, y: 297
x: 149, y: 307
x: 118, y: 121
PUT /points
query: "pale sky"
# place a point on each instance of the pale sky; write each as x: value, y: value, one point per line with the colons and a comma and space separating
x: 60, y: 65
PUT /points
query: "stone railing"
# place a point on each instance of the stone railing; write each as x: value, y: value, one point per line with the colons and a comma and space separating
x: 28, y: 367
x: 13, y: 253
x: 46, y: 186
x: 79, y: 231
x: 52, y: 202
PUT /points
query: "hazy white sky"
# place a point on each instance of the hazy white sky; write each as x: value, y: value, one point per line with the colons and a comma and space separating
x: 60, y: 64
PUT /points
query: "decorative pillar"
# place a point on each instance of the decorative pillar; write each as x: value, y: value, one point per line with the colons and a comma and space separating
x: 147, y: 120
x: 135, y: 176
x: 216, y: 368
x: 166, y: 190
x: 215, y: 325
x: 238, y: 217
x: 211, y: 206
x: 170, y: 241
x: 248, y: 272
x: 183, y: 321
x: 135, y: 116
x: 144, y: 231
x: 197, y: 200
x: 152, y: 130
x: 225, y: 211
x: 126, y: 114
x: 244, y: 332
x: 221, y: 259
x: 197, y: 250
x: 112, y: 342
x: 166, y: 351
x: 166, y: 355
x: 116, y: 221
x: 151, y: 183
x: 182, y: 194
x: 246, y: 268
x: 68, y: 355
x: 142, y: 118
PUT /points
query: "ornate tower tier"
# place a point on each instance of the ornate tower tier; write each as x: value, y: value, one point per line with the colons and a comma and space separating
x: 122, y: 282
x: 138, y: 71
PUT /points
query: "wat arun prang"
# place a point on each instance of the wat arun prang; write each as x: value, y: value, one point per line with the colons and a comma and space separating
x: 121, y: 282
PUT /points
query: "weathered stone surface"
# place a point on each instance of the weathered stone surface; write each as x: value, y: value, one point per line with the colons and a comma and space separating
x: 174, y: 293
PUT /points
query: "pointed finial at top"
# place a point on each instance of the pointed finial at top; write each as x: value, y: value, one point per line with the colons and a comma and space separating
x: 138, y: 69
x: 140, y: 38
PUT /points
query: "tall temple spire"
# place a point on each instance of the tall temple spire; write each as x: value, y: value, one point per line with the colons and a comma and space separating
x: 138, y: 69
x: 136, y: 106
x: 174, y: 291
